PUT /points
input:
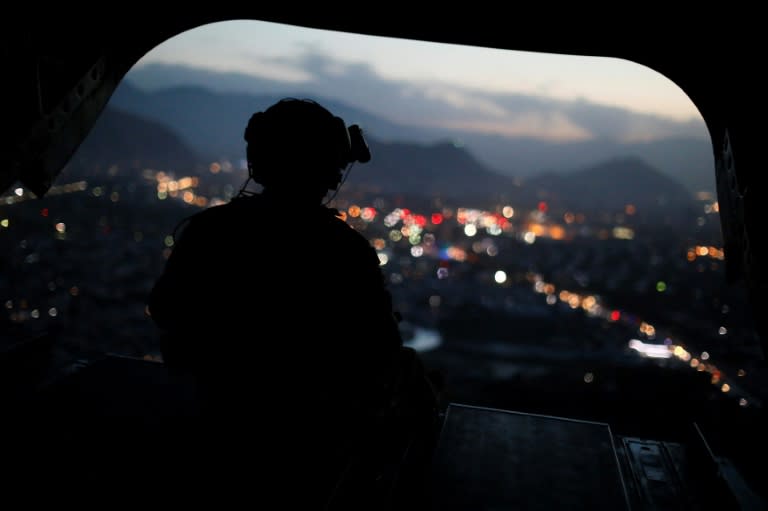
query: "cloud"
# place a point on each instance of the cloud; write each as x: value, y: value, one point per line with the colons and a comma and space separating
x: 278, y: 69
x: 536, y: 124
x: 440, y: 104
x: 627, y: 126
x: 448, y: 105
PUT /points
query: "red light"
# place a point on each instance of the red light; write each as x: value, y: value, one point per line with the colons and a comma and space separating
x: 542, y: 207
x: 615, y: 315
x: 44, y: 212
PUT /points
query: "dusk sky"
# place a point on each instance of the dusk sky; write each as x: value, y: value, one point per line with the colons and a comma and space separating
x: 491, y: 90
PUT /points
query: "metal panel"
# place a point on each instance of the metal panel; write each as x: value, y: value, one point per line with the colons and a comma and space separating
x: 491, y: 459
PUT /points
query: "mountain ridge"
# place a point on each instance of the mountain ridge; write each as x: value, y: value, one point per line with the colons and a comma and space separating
x: 429, y: 170
x: 686, y: 158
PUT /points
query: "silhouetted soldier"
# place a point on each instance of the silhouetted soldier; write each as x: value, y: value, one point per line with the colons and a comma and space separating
x: 278, y: 310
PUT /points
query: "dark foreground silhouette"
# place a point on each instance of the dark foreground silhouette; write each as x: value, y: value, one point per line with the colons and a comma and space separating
x: 276, y: 310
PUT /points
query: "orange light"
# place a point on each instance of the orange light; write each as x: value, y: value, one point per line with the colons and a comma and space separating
x: 556, y: 232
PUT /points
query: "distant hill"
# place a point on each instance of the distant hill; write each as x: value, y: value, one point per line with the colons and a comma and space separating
x: 689, y: 161
x: 613, y: 184
x: 126, y: 139
x: 213, y: 123
x: 440, y: 169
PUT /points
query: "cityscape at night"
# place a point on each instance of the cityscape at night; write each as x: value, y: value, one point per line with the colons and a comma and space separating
x: 489, y: 293
x: 572, y: 310
x: 598, y: 294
